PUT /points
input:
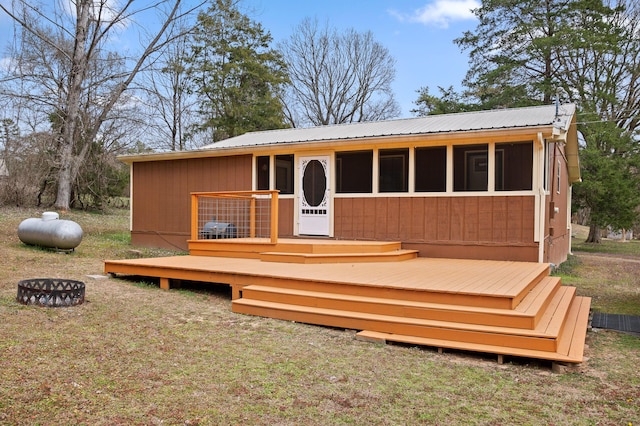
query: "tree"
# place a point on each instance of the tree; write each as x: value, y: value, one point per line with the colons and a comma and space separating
x: 169, y: 106
x: 235, y: 74
x: 449, y: 102
x: 605, y: 66
x: 24, y: 164
x: 337, y: 78
x: 80, y: 99
x: 585, y: 51
x: 611, y: 193
x: 513, y: 49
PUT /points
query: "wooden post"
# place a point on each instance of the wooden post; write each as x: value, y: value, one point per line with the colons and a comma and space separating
x: 164, y: 283
x: 252, y: 218
x: 274, y: 217
x: 194, y: 216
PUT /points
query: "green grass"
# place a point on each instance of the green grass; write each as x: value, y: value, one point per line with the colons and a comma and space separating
x: 136, y: 355
x: 628, y: 248
x: 611, y: 277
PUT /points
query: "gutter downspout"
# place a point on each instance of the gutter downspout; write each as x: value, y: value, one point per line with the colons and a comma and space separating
x: 540, y: 216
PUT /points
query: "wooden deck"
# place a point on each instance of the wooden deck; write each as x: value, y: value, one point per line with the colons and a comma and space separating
x: 506, y: 308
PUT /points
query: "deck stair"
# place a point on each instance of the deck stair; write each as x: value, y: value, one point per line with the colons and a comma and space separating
x: 304, y: 251
x: 548, y: 321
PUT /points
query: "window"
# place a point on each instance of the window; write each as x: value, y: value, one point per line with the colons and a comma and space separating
x: 284, y: 173
x: 394, y: 170
x: 354, y: 171
x: 262, y: 173
x: 470, y: 168
x: 431, y: 169
x: 514, y: 166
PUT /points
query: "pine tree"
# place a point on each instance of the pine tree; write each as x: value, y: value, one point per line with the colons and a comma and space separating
x: 235, y: 73
x: 587, y: 52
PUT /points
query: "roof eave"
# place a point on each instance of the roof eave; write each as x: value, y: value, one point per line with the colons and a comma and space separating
x: 546, y: 130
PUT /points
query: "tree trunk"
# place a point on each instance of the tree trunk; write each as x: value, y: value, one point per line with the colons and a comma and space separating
x: 63, y: 196
x: 79, y: 62
x: 594, y: 234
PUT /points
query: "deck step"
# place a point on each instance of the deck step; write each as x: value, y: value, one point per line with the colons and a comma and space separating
x: 570, y: 342
x: 536, y: 339
x: 523, y: 318
x: 311, y: 258
x: 252, y: 248
x: 538, y: 298
x: 574, y: 333
x: 442, y: 293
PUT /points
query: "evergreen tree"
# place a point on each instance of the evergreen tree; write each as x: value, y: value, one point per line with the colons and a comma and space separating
x: 512, y: 51
x: 587, y: 52
x: 235, y: 73
x: 449, y: 102
x: 610, y: 190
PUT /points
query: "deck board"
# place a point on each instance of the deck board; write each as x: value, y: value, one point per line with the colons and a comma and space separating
x: 466, y: 346
x: 424, y: 274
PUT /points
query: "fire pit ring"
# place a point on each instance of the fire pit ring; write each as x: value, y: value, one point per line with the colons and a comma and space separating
x: 51, y: 292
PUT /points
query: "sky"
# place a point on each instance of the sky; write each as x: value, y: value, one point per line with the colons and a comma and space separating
x: 419, y: 34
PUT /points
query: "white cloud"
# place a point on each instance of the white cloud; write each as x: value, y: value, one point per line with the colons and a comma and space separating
x: 107, y: 9
x: 7, y: 64
x: 440, y: 12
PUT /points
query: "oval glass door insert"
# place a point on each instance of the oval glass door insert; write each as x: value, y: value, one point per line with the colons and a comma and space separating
x: 314, y: 183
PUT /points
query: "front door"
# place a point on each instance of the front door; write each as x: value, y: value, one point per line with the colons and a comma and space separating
x: 314, y: 201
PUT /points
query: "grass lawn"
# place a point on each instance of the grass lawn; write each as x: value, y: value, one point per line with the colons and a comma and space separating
x: 609, y: 272
x: 133, y: 354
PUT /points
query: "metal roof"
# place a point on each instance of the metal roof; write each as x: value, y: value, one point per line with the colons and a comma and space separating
x: 540, y: 116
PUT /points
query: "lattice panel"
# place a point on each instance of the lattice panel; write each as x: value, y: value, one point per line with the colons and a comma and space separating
x: 234, y: 217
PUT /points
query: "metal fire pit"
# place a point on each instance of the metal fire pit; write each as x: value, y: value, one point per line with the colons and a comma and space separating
x: 51, y: 292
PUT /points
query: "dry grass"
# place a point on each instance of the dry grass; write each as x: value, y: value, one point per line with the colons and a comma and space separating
x: 136, y: 355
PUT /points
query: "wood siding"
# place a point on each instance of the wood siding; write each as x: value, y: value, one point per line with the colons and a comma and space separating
x: 161, y: 194
x: 497, y: 227
x: 286, y: 208
x: 557, y: 233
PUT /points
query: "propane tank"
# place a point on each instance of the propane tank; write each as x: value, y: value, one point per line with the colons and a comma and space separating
x: 50, y: 231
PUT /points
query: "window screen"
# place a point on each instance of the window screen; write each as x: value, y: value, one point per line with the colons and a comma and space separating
x: 262, y: 173
x: 470, y: 168
x: 394, y: 170
x: 284, y: 173
x: 514, y: 166
x: 354, y: 172
x: 431, y: 169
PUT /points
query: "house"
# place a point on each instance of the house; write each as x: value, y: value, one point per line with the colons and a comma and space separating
x: 434, y: 231
x: 492, y: 185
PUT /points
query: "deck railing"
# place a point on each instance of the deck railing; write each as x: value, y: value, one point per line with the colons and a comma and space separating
x: 234, y: 214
